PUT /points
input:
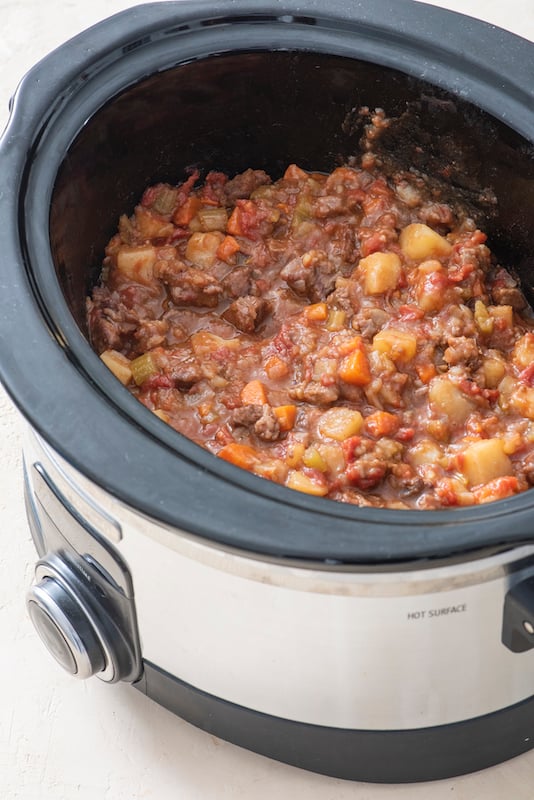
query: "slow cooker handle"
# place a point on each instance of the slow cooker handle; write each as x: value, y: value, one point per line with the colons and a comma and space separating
x: 518, y: 617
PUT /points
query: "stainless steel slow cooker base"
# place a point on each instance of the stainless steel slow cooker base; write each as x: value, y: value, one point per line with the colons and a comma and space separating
x: 365, y: 643
x: 376, y: 675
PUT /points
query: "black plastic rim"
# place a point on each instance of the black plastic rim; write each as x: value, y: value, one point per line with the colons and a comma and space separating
x: 60, y: 385
x: 390, y: 756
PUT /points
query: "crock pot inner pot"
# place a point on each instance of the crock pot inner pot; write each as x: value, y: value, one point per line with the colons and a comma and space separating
x: 266, y: 110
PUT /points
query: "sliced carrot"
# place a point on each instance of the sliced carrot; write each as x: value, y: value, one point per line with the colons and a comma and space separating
x: 381, y: 423
x: 227, y: 249
x: 426, y: 372
x: 354, y: 368
x: 241, y: 455
x: 186, y: 212
x: 275, y: 368
x: 253, y: 394
x: 317, y: 312
x: 234, y: 223
x: 286, y: 416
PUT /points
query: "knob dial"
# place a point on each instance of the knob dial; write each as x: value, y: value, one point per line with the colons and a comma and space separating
x: 65, y: 628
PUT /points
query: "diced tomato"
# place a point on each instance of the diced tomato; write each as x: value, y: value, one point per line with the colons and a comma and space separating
x: 365, y: 478
x: 411, y: 312
x: 459, y: 272
x: 349, y: 447
x: 211, y: 191
x: 526, y: 376
x: 497, y: 489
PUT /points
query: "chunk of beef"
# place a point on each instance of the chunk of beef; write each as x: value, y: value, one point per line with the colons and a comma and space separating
x: 181, y: 366
x: 196, y: 288
x: 437, y: 215
x: 369, y: 462
x: 267, y: 427
x: 259, y: 419
x: 246, y: 416
x: 188, y: 285
x: 247, y: 313
x: 508, y: 296
x: 528, y: 469
x: 110, y: 321
x: 244, y: 184
x: 462, y: 350
x: 238, y: 282
x: 405, y: 480
x: 150, y: 333
x: 369, y: 321
x: 315, y: 393
x: 330, y: 205
x: 311, y: 275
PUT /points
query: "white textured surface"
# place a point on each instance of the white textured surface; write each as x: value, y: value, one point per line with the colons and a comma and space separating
x: 65, y: 740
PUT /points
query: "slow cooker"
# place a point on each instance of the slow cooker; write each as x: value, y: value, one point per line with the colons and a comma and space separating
x: 368, y: 644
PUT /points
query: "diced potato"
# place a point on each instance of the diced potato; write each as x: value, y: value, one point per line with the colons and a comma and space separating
x: 424, y: 452
x: 273, y: 469
x: 522, y: 401
x: 483, y: 319
x: 303, y: 483
x: 430, y: 266
x: 432, y: 285
x: 340, y: 423
x: 493, y: 369
x: 448, y: 399
x: 483, y: 461
x: 313, y: 458
x: 419, y: 242
x: 137, y: 263
x: 333, y: 456
x: 118, y: 364
x: 150, y: 226
x: 202, y: 248
x: 523, y: 354
x: 400, y: 346
x: 503, y: 314
x: 381, y: 272
x: 294, y: 453
x: 203, y: 343
x: 507, y: 387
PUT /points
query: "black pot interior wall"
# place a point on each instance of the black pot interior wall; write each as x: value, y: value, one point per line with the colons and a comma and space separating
x: 267, y: 110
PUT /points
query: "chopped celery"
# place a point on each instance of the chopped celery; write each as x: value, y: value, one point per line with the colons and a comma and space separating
x: 142, y: 368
